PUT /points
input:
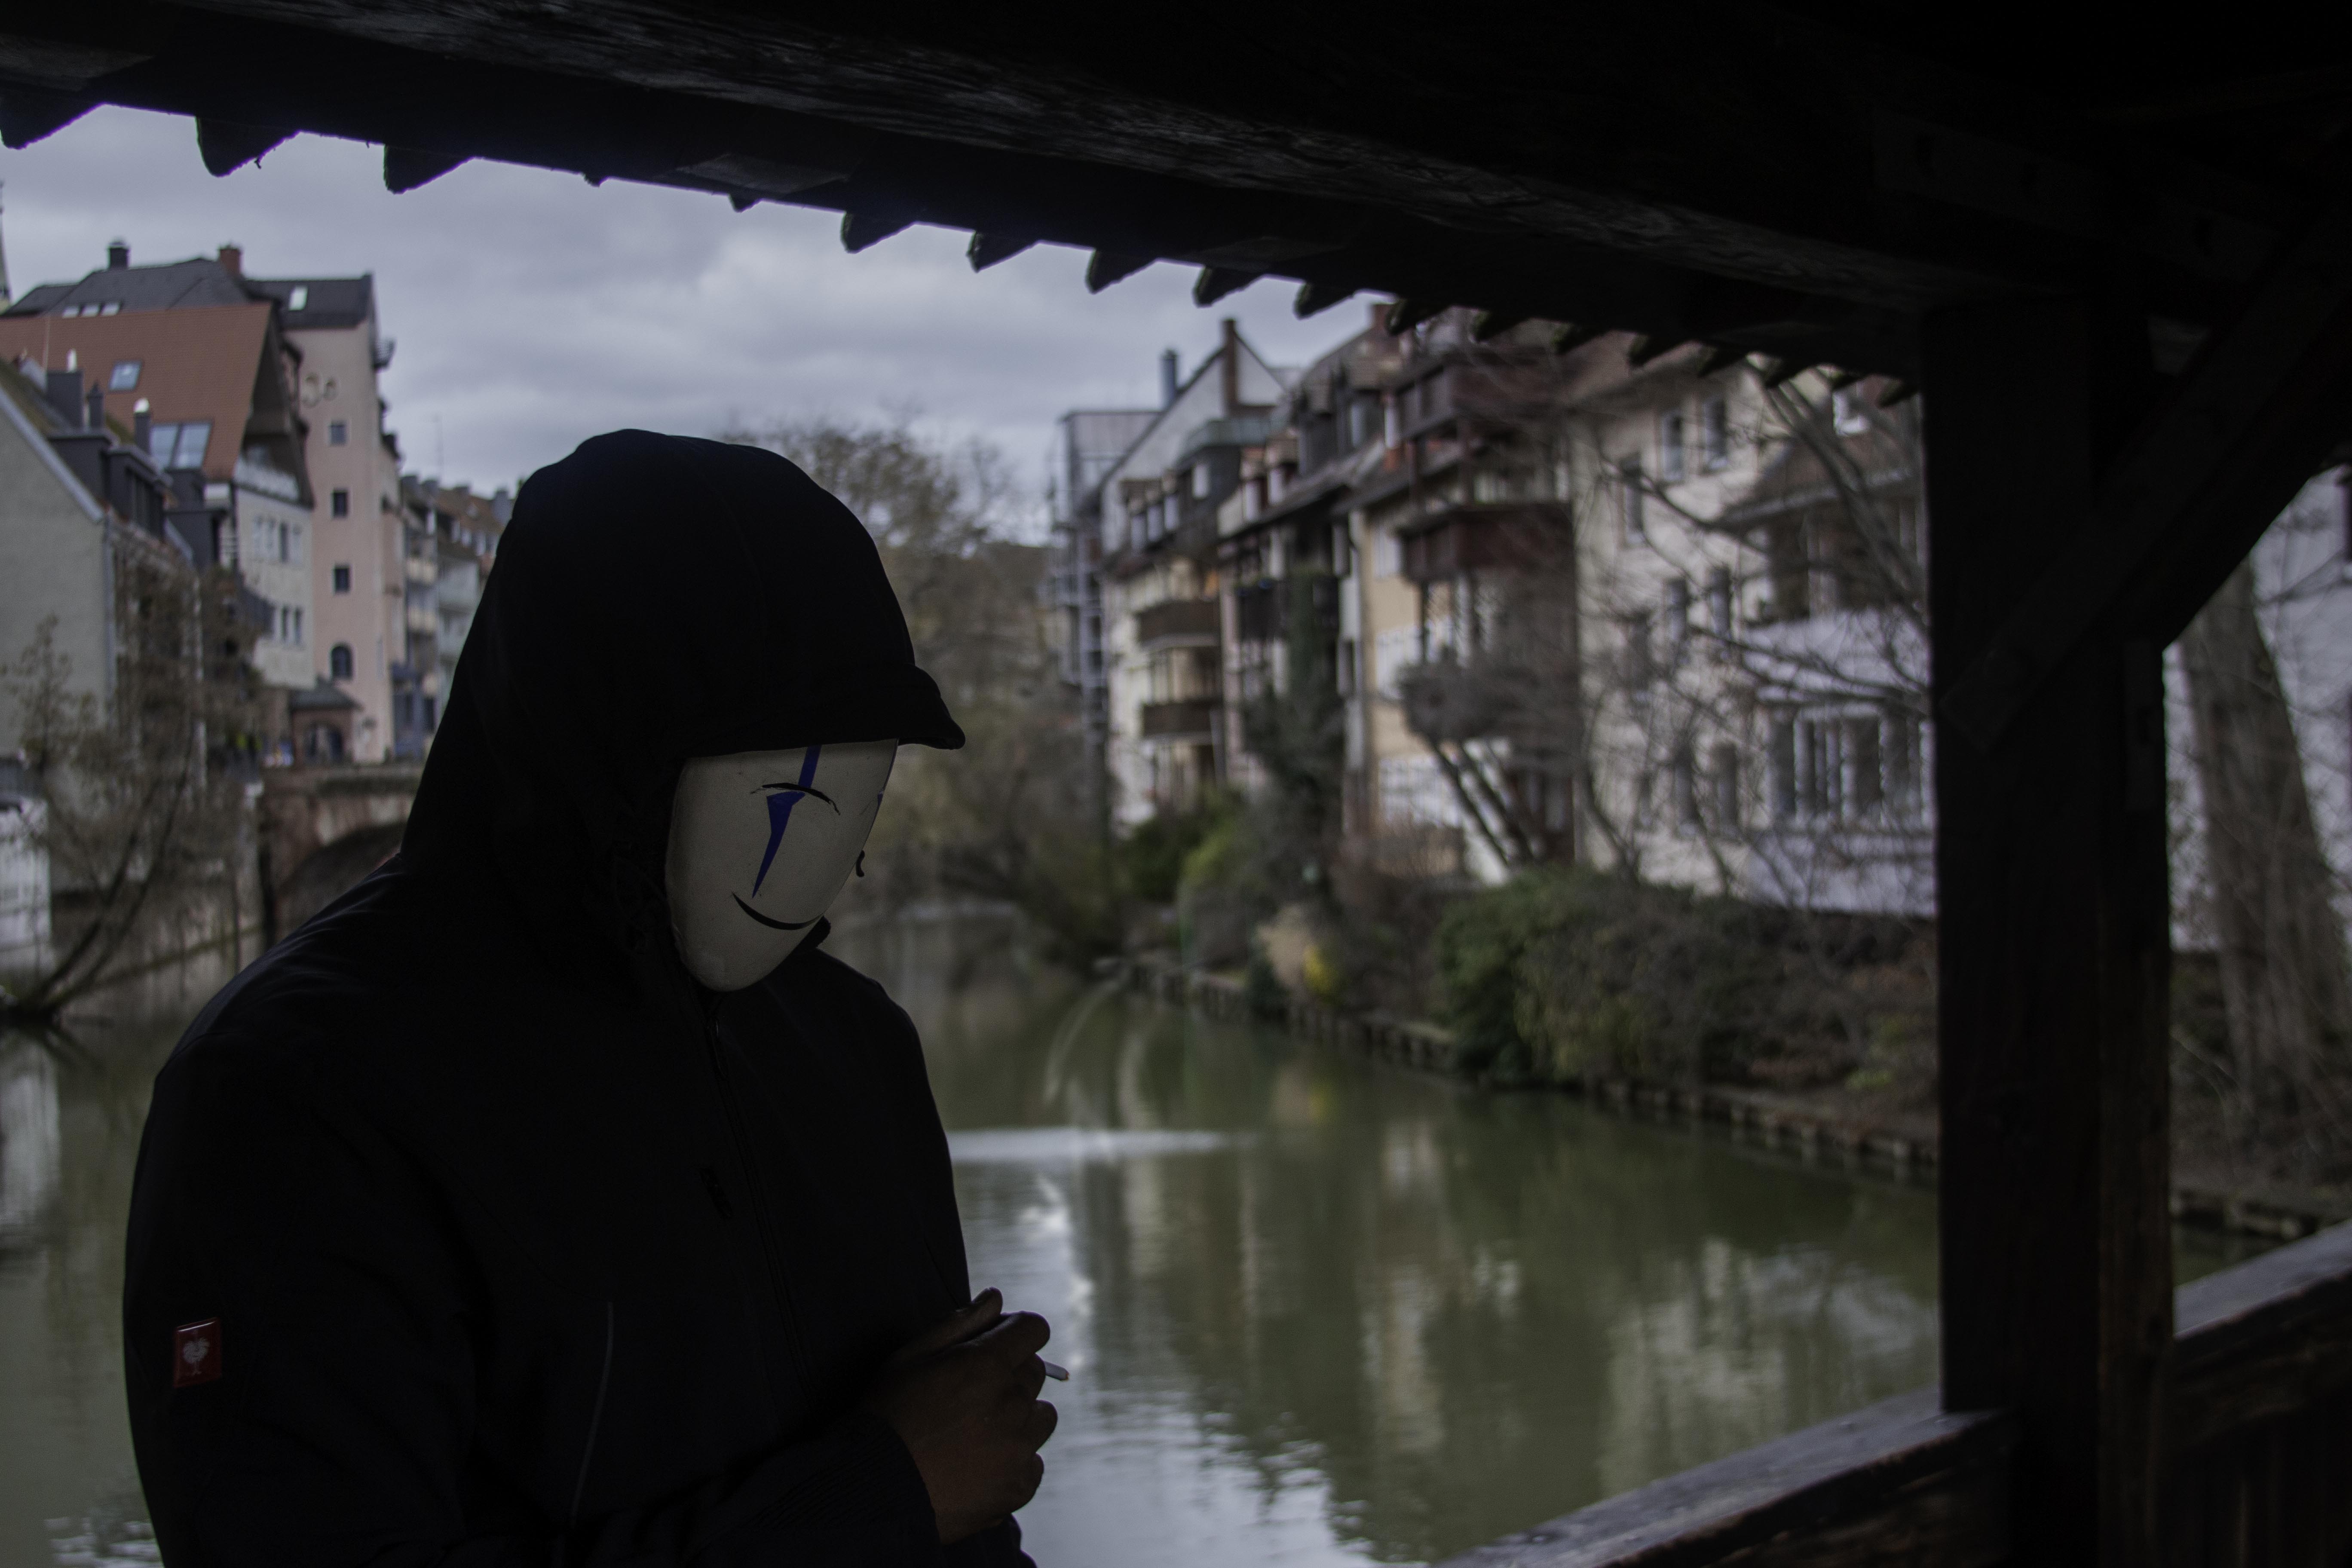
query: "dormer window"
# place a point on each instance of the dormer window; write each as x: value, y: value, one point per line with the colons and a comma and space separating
x: 124, y: 377
x: 180, y: 446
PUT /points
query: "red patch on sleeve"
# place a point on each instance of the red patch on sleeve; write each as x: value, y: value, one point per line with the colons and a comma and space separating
x: 196, y: 1354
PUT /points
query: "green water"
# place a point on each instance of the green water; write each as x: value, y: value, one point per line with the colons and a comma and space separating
x: 1316, y: 1311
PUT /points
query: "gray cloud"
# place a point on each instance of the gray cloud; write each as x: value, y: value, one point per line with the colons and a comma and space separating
x: 532, y: 309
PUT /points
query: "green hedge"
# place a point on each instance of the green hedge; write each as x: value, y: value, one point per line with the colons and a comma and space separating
x: 1560, y: 975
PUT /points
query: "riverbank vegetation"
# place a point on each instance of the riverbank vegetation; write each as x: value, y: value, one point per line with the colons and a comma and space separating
x: 1009, y: 817
x: 137, y: 782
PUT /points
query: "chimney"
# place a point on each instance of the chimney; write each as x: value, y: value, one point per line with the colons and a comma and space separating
x: 97, y: 402
x: 118, y: 256
x: 1229, y: 367
x: 65, y: 396
x: 1167, y: 378
x: 232, y: 261
x: 143, y: 426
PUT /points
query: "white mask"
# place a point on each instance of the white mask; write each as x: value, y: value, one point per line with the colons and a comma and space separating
x: 760, y: 842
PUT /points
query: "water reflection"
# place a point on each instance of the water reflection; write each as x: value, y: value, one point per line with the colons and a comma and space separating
x: 1317, y: 1312
x: 71, y: 1106
x: 1327, y: 1312
x: 32, y: 1161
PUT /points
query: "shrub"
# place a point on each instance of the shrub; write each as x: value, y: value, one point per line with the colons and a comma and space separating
x: 1262, y: 990
x: 1151, y: 857
x: 1568, y: 975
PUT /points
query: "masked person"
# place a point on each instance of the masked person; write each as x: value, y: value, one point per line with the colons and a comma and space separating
x: 553, y: 1197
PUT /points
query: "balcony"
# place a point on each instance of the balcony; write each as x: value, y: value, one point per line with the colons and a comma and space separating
x: 1262, y: 610
x: 1177, y: 623
x: 1192, y: 720
x: 1447, y: 699
x: 1506, y: 535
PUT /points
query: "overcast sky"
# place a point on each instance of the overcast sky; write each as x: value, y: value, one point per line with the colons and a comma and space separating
x: 532, y: 309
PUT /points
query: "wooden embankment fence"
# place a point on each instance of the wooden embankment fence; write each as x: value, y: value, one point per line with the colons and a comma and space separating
x: 1765, y: 1119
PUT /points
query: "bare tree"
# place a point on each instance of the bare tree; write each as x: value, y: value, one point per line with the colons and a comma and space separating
x: 143, y: 814
x: 1006, y: 817
x: 2279, y: 938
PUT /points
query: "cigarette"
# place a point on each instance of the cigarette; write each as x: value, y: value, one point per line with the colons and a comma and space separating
x: 1058, y: 1373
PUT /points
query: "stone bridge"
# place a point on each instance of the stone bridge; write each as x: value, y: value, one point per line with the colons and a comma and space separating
x: 323, y: 828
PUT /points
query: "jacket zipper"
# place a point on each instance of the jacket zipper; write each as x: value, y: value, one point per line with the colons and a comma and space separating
x: 752, y: 1194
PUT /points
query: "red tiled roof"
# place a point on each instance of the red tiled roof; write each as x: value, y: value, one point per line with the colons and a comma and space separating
x: 199, y: 363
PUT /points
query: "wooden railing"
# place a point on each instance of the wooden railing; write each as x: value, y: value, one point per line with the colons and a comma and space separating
x: 1190, y: 620
x: 1193, y: 717
x: 2258, y: 1432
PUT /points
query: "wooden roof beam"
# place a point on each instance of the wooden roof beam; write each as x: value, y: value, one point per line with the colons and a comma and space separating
x: 1793, y: 205
x: 2258, y: 410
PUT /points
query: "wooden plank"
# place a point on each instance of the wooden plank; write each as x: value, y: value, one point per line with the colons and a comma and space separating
x: 2054, y: 953
x: 2261, y: 1459
x: 1897, y: 1479
x: 2263, y: 1340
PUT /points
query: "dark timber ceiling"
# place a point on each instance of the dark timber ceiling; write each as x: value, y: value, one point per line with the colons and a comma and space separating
x: 1797, y: 181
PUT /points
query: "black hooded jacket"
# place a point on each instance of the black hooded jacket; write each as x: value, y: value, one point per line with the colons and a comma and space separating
x: 516, y: 1246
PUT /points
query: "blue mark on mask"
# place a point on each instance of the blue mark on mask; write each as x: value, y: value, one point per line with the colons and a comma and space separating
x: 780, y: 814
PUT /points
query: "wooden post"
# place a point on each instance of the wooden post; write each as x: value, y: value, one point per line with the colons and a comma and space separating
x: 2054, y: 947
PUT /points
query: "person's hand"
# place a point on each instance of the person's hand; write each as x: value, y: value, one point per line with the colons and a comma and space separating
x: 962, y: 1396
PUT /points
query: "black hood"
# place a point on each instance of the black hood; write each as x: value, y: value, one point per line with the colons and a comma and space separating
x: 657, y: 598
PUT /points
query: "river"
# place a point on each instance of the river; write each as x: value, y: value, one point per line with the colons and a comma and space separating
x: 1314, y: 1310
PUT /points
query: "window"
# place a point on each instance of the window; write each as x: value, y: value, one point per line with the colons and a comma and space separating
x: 1393, y: 651
x: 289, y: 626
x: 343, y: 579
x: 1718, y: 601
x: 1714, y: 433
x: 299, y: 299
x: 180, y: 446
x: 1685, y: 784
x: 1784, y: 768
x: 1678, y: 605
x: 339, y: 661
x: 1725, y: 777
x: 1637, y: 650
x: 340, y: 503
x: 1201, y: 479
x: 339, y: 432
x: 1630, y: 500
x: 125, y: 376
x: 1670, y: 447
x: 278, y: 540
x: 1852, y: 413
x: 1902, y: 763
x: 1861, y: 759
x: 1821, y: 753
